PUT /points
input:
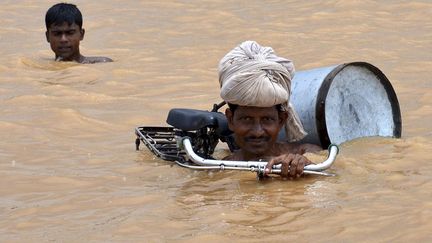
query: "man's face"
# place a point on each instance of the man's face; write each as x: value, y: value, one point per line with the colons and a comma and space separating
x: 256, y: 128
x: 64, y: 40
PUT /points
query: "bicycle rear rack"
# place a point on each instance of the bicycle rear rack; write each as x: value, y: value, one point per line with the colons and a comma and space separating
x: 160, y: 141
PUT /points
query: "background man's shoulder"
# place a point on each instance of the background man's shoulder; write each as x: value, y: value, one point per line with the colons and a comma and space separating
x: 97, y: 59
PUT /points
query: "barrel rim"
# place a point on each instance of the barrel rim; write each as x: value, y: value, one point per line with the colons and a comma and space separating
x: 324, y: 89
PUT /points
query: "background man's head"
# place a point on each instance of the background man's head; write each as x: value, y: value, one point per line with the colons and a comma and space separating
x: 61, y: 13
x: 64, y: 31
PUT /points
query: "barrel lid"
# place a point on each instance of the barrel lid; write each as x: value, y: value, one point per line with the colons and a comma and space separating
x: 356, y: 100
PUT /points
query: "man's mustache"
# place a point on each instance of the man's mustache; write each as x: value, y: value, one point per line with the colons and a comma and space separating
x: 254, y: 138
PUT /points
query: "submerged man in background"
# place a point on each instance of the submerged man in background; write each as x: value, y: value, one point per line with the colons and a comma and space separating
x: 64, y: 32
x: 256, y: 85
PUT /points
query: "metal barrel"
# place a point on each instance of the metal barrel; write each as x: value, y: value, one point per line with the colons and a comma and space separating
x: 343, y: 102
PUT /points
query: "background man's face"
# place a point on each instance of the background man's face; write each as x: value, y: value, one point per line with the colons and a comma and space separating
x: 64, y: 40
x: 256, y: 128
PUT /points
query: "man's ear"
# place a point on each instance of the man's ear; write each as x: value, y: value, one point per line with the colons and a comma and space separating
x: 229, y: 115
x: 283, y: 116
x: 47, y: 36
x: 82, y: 34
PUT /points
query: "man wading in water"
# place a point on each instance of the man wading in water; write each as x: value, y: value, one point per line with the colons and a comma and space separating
x: 64, y: 33
x: 256, y: 85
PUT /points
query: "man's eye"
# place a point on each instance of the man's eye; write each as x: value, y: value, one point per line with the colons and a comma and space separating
x: 268, y: 119
x: 71, y: 32
x: 245, y: 119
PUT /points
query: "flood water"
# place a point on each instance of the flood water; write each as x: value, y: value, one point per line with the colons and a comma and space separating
x: 69, y: 171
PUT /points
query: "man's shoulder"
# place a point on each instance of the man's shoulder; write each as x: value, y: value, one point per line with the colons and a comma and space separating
x: 234, y: 156
x: 310, y: 148
x: 88, y: 60
x: 299, y: 148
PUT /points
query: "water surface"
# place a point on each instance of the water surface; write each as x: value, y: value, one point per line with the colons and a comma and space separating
x: 68, y: 168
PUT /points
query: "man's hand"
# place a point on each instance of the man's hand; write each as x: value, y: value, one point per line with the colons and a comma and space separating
x: 292, y: 165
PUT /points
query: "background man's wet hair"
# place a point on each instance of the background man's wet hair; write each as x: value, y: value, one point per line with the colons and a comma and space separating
x: 233, y: 107
x: 63, y: 12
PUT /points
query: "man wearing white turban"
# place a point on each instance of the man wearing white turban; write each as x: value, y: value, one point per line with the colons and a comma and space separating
x: 256, y: 85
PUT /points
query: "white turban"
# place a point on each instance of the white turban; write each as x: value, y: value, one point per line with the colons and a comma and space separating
x: 252, y: 75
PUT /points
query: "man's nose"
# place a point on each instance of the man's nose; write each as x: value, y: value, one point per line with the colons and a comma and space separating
x: 63, y: 38
x: 257, y: 129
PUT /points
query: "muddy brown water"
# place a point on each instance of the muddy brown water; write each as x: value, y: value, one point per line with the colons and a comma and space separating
x: 68, y: 168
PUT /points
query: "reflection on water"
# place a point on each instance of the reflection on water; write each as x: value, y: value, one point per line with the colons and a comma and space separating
x: 61, y: 73
x: 47, y: 64
x: 68, y: 167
